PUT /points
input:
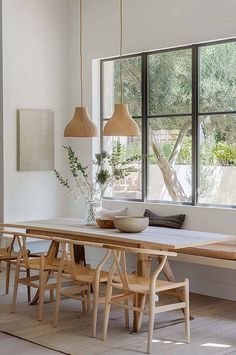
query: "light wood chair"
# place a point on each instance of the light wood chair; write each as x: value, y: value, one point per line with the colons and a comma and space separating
x: 43, y: 265
x: 89, y: 277
x: 9, y: 256
x: 130, y: 286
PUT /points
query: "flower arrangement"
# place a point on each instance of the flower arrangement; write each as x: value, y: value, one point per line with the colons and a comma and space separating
x: 91, y: 181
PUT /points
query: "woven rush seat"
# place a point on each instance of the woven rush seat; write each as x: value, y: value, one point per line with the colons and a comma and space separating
x: 140, y: 284
x: 84, y: 274
x: 218, y: 250
x: 5, y: 254
x: 34, y: 264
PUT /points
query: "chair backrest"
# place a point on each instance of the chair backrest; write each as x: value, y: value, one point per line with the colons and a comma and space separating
x: 119, y: 265
x: 58, y: 244
x: 68, y: 264
x: 24, y: 254
x: 7, y: 251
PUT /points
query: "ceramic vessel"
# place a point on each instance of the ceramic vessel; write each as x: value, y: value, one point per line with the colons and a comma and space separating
x: 130, y: 224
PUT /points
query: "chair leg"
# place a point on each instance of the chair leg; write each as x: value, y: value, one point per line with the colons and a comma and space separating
x: 84, y: 303
x: 107, y: 311
x: 89, y: 299
x: 42, y: 284
x: 142, y: 305
x: 139, y: 301
x: 58, y: 299
x: 95, y: 307
x: 51, y: 295
x: 126, y: 302
x: 151, y: 321
x: 17, y: 274
x: 8, y: 272
x: 186, y: 311
x: 28, y: 287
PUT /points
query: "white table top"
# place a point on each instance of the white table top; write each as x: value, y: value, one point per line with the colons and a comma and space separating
x: 156, y: 237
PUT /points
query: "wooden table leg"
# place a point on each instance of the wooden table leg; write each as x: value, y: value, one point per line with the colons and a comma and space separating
x: 144, y: 269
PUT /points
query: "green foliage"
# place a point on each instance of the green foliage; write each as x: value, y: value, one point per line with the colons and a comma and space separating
x: 170, y: 82
x: 102, y: 176
x: 75, y: 165
x: 184, y: 156
x: 62, y: 181
x: 218, y: 136
x: 132, y: 95
x: 120, y: 166
x: 170, y: 85
x: 225, y: 154
x: 100, y: 158
x: 218, y: 77
x: 185, y: 153
x: 170, y: 92
x: 109, y: 167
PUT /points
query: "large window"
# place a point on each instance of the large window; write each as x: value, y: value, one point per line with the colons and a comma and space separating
x: 169, y: 78
x: 131, y: 187
x: 184, y: 100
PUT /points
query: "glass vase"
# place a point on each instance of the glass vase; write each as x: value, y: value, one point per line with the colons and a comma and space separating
x: 92, y: 208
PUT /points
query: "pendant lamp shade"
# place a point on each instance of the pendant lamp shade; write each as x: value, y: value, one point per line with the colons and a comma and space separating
x: 81, y: 125
x: 121, y: 123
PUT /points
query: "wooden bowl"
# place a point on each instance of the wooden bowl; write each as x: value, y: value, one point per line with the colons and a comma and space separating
x: 131, y: 224
x: 105, y: 223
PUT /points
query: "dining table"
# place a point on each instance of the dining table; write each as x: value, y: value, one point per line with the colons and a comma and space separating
x: 152, y: 238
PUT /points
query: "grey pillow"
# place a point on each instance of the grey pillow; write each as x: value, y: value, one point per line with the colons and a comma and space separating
x: 175, y: 221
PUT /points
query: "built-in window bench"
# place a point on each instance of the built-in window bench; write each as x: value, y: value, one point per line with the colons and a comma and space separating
x: 218, y: 255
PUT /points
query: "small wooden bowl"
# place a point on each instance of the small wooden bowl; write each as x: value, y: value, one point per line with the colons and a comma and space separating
x: 105, y: 223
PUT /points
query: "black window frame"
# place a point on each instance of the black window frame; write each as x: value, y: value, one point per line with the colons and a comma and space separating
x: 195, y: 114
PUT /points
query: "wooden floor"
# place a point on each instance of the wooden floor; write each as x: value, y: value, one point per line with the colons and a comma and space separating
x: 12, y: 345
x: 213, y: 330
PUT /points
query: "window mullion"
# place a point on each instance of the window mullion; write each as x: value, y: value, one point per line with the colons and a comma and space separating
x: 195, y: 128
x: 144, y: 127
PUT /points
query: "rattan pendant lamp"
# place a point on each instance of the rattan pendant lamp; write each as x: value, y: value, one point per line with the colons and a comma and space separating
x: 81, y: 125
x: 121, y: 123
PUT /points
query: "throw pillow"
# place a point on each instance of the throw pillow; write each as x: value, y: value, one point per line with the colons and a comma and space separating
x: 175, y: 221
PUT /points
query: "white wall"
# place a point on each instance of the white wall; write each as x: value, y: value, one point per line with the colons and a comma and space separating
x: 149, y: 25
x: 83, y: 146
x: 36, y: 75
x: 1, y: 125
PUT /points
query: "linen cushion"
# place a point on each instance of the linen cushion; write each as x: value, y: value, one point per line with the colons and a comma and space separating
x: 112, y: 213
x: 175, y: 221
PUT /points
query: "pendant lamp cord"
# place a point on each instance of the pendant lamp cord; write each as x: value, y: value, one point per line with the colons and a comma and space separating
x: 81, y: 54
x: 121, y: 50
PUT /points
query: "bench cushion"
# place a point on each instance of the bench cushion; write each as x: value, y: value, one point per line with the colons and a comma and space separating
x: 218, y: 250
x: 155, y: 220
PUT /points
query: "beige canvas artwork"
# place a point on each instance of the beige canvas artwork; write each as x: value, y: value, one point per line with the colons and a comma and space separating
x: 35, y: 140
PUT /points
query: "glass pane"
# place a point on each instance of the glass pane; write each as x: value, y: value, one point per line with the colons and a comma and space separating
x: 131, y: 69
x: 218, y: 159
x: 218, y: 77
x: 170, y: 82
x: 131, y: 186
x: 170, y: 159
